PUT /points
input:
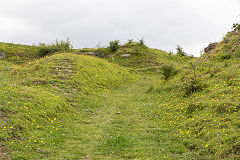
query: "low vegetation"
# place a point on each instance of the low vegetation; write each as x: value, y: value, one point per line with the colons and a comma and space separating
x: 58, y: 46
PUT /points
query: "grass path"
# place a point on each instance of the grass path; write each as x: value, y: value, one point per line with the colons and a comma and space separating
x: 120, y: 125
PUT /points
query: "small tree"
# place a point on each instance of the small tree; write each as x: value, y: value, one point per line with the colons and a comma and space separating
x: 141, y: 42
x: 130, y: 41
x: 114, y: 45
x: 180, y: 51
x: 236, y: 27
x: 167, y: 71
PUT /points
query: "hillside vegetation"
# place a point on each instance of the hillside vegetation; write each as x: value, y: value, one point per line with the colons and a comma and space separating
x: 121, y: 102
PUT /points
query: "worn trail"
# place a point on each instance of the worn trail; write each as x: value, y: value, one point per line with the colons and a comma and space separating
x: 119, y: 125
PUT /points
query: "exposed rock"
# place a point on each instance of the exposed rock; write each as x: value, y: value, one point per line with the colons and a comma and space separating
x: 210, y: 47
x: 2, y: 54
x: 81, y: 53
x: 226, y: 41
x: 91, y: 53
x: 126, y: 55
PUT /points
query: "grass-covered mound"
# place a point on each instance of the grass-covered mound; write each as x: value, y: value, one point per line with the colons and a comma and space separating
x: 72, y: 72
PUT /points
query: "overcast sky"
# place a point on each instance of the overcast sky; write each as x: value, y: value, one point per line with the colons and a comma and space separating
x: 163, y: 23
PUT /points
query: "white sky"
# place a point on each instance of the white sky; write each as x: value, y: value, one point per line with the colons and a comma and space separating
x: 164, y: 24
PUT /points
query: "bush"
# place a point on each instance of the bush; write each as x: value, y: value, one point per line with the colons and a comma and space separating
x: 114, y: 45
x: 193, y: 86
x: 141, y: 42
x: 236, y: 27
x: 226, y: 56
x: 167, y: 71
x: 58, y: 46
x: 227, y: 107
x: 180, y: 51
x: 130, y: 41
x: 193, y: 107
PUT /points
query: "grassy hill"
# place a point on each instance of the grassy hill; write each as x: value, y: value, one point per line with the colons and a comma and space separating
x: 130, y: 103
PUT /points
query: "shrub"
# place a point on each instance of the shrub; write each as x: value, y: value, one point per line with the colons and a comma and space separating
x: 101, y: 51
x: 114, y: 45
x: 167, y: 71
x: 141, y: 42
x: 236, y: 27
x: 226, y: 56
x: 193, y: 107
x: 180, y: 51
x: 150, y: 89
x: 227, y: 107
x: 130, y: 41
x: 193, y: 86
x: 170, y: 53
x: 58, y: 46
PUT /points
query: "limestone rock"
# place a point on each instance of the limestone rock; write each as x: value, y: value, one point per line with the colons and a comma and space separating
x: 126, y: 55
x: 210, y: 47
x: 91, y: 54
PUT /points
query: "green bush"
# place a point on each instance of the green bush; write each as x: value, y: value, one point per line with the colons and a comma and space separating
x: 193, y: 107
x: 114, y: 45
x: 226, y: 56
x: 141, y: 42
x: 130, y: 41
x: 180, y: 51
x: 167, y: 71
x: 236, y: 27
x: 194, y: 85
x: 58, y: 46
